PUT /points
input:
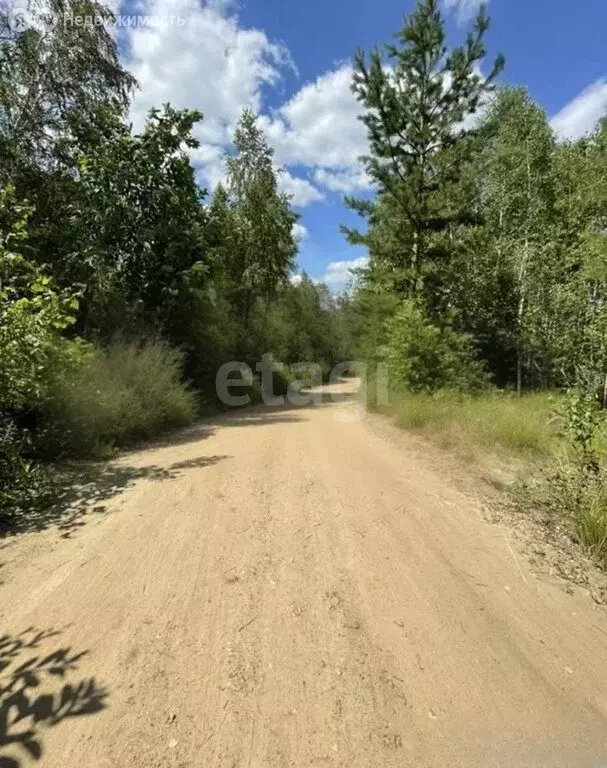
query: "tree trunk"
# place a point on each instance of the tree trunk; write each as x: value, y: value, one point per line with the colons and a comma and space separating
x: 519, y: 372
x: 519, y: 330
x: 521, y: 281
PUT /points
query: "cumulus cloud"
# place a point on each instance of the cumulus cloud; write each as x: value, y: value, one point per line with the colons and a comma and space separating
x: 464, y: 9
x: 338, y: 273
x: 211, y: 63
x: 301, y: 191
x: 319, y: 128
x: 299, y: 231
x: 319, y: 125
x: 582, y: 114
x: 208, y: 62
x: 209, y: 160
x: 343, y: 180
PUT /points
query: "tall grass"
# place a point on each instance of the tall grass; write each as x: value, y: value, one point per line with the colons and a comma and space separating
x: 528, y: 430
x: 112, y: 397
x: 570, y: 490
x: 591, y: 524
x: 495, y: 420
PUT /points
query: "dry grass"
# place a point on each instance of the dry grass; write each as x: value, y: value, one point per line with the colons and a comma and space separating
x: 499, y: 422
x: 115, y: 396
x: 499, y: 427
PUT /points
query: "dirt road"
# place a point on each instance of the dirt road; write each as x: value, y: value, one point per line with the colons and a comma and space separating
x: 290, y: 588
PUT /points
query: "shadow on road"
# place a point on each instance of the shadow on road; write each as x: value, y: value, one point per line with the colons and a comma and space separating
x: 258, y: 414
x: 36, y: 692
x: 81, y: 491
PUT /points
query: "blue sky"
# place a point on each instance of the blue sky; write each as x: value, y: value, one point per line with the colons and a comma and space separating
x: 290, y: 62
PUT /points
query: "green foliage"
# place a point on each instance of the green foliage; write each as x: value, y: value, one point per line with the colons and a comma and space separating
x: 576, y: 490
x: 578, y: 498
x: 510, y: 244
x: 265, y: 246
x: 31, y: 315
x: 582, y: 418
x: 422, y: 356
x: 309, y: 374
x: 301, y: 325
x: 282, y: 378
x: 23, y: 483
x: 49, y: 72
x: 106, y: 398
x: 206, y: 328
x: 127, y: 221
x: 574, y: 487
x: 415, y: 105
x: 31, y: 312
x: 492, y: 421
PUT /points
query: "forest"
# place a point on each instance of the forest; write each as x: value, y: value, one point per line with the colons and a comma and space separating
x: 124, y: 285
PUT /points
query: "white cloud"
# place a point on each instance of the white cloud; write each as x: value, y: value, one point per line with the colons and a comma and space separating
x: 582, y: 114
x: 299, y: 231
x: 209, y: 63
x: 344, y: 180
x: 302, y: 191
x: 464, y: 9
x: 209, y: 159
x: 319, y: 128
x: 319, y: 125
x: 213, y: 64
x: 339, y: 272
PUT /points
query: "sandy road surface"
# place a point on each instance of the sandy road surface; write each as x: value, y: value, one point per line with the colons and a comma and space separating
x: 291, y: 588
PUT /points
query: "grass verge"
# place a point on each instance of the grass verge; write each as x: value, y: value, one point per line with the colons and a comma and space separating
x: 520, y: 427
x: 525, y: 432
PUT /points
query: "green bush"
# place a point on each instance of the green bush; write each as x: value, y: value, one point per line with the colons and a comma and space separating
x: 424, y: 357
x: 23, y: 484
x: 576, y: 489
x: 282, y: 378
x: 591, y: 522
x: 100, y: 399
x: 310, y: 374
x: 575, y: 494
x: 206, y: 329
x: 32, y: 314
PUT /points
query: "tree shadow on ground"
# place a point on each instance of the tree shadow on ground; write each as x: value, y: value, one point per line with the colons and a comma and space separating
x: 210, y: 425
x: 252, y: 414
x: 31, y: 700
x: 81, y: 490
x: 257, y: 414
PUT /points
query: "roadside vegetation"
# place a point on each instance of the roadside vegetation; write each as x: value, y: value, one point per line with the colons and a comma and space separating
x: 485, y: 297
x: 124, y: 284
x: 495, y: 421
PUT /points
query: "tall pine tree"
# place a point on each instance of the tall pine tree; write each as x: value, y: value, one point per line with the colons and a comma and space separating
x: 418, y: 102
